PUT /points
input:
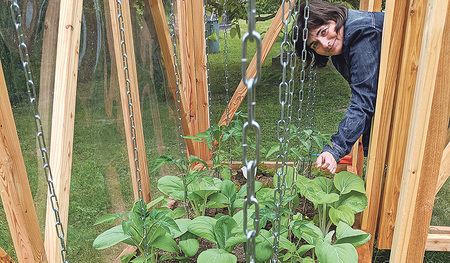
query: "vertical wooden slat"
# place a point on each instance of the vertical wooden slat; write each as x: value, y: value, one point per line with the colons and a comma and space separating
x: 193, y: 68
x: 63, y: 120
x: 370, y: 5
x: 393, y: 33
x: 429, y: 120
x: 266, y: 44
x: 400, y: 122
x: 165, y: 43
x: 15, y: 189
x: 444, y: 171
x: 134, y: 88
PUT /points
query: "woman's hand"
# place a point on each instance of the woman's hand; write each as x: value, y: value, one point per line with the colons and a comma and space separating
x: 326, y: 161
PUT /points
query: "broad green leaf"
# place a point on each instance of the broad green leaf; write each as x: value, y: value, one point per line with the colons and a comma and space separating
x: 216, y: 256
x: 263, y: 248
x: 301, y: 184
x: 225, y: 172
x: 189, y: 246
x: 222, y: 230
x: 237, y: 239
x: 274, y: 149
x: 356, y: 201
x: 228, y: 189
x: 219, y: 198
x: 126, y: 258
x: 326, y: 184
x: 308, y: 260
x: 167, y: 222
x: 342, y: 213
x: 265, y: 194
x: 203, y: 226
x: 195, y: 159
x: 243, y: 191
x: 165, y: 257
x: 110, y: 238
x: 153, y: 233
x: 195, y: 139
x: 340, y: 253
x: 166, y: 243
x: 206, y: 191
x: 346, y: 182
x: 155, y: 201
x: 310, y: 233
x: 172, y: 186
x: 177, y: 212
x: 303, y: 249
x: 346, y: 234
x: 315, y: 193
x: 183, y: 224
x: 109, y: 219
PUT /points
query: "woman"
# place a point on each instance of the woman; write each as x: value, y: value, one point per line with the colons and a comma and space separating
x: 352, y: 39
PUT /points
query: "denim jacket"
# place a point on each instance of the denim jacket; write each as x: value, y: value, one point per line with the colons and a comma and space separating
x: 359, y: 64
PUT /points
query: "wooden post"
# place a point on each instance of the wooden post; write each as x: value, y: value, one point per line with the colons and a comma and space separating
x: 444, y: 171
x: 438, y: 238
x: 400, y: 122
x: 370, y: 5
x: 393, y: 32
x: 15, y: 189
x: 134, y: 88
x: 425, y: 143
x: 193, y: 70
x: 63, y: 120
x: 266, y: 45
x: 4, y: 258
x: 165, y: 43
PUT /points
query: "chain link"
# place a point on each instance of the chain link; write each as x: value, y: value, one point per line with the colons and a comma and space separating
x: 286, y: 91
x: 251, y: 200
x: 227, y: 85
x: 181, y: 145
x: 123, y: 47
x: 31, y: 90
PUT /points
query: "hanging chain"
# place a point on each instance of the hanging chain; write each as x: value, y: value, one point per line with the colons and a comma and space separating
x: 181, y: 145
x: 31, y: 90
x: 253, y: 36
x: 209, y: 26
x: 302, y: 77
x: 283, y: 126
x: 227, y: 85
x: 123, y: 47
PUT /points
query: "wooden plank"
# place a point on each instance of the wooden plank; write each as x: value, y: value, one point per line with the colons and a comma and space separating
x: 134, y: 93
x: 438, y: 242
x: 444, y: 171
x: 63, y: 121
x: 14, y: 187
x: 429, y: 122
x: 165, y: 43
x: 393, y: 32
x: 370, y: 5
x: 266, y: 45
x: 400, y: 121
x: 193, y: 69
x: 4, y: 257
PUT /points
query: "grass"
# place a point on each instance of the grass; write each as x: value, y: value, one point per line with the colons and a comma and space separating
x: 100, y: 181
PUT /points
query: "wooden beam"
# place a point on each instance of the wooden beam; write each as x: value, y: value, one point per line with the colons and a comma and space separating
x: 444, y: 171
x: 134, y: 95
x: 393, y: 32
x: 63, y: 120
x: 400, y: 121
x: 193, y: 69
x: 266, y: 45
x: 165, y: 43
x: 438, y: 238
x: 15, y: 189
x: 4, y: 257
x: 429, y: 122
x: 370, y: 5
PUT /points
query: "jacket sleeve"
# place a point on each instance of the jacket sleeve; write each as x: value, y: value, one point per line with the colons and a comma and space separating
x: 363, y: 58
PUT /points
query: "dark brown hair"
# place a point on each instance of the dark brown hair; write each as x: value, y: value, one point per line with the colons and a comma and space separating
x: 320, y: 13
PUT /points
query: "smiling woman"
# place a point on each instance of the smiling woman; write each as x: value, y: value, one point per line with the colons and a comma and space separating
x: 352, y: 39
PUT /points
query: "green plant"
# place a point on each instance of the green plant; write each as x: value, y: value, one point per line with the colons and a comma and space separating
x: 148, y: 230
x: 337, y: 200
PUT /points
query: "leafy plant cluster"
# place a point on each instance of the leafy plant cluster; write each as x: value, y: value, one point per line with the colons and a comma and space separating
x: 328, y: 237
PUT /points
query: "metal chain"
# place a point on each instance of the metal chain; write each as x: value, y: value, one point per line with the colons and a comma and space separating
x: 253, y: 36
x: 302, y: 77
x: 123, y: 47
x: 283, y: 127
x: 25, y: 59
x: 181, y: 145
x: 227, y: 85
x: 312, y: 87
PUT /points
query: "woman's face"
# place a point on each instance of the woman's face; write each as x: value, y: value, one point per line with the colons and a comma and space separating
x: 325, y: 41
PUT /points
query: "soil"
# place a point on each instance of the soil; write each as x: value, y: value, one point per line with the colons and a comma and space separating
x: 306, y: 208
